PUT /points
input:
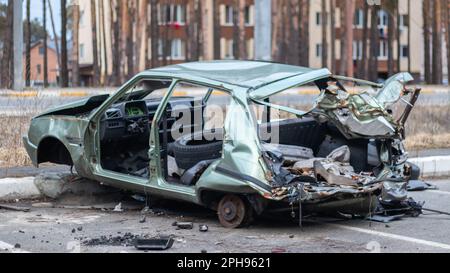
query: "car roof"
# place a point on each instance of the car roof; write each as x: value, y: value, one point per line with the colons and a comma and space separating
x: 249, y: 74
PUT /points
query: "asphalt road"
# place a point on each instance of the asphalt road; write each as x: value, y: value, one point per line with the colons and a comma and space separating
x: 65, y: 230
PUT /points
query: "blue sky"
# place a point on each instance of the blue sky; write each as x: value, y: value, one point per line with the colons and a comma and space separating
x: 36, y: 12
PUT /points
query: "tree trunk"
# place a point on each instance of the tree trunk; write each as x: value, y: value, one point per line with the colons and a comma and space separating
x: 398, y: 35
x: 102, y: 17
x: 447, y: 8
x: 324, y: 33
x: 142, y: 39
x: 115, y: 23
x: 391, y: 10
x: 304, y: 44
x: 333, y: 34
x: 409, y: 36
x: 374, y: 44
x: 236, y: 34
x: 28, y: 48
x: 75, y: 45
x: 216, y: 22
x: 64, y: 68
x: 44, y: 23
x: 130, y: 40
x: 154, y: 33
x: 349, y: 19
x: 95, y: 64
x: 427, y: 39
x: 364, y: 63
x: 343, y: 38
x: 7, y: 65
x: 294, y: 33
x: 437, y: 42
x: 241, y: 20
x: 55, y: 36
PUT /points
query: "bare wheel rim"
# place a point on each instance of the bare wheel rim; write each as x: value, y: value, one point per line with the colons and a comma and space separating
x: 231, y: 211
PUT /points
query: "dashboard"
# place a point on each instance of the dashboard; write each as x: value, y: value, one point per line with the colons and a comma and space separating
x: 133, y: 119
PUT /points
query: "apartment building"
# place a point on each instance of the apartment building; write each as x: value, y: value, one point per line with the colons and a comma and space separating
x: 174, y: 36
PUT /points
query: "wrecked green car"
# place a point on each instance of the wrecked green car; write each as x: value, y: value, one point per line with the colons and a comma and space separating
x: 239, y: 137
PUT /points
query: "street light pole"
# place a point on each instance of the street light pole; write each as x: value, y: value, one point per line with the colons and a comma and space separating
x: 263, y: 30
x: 18, y: 45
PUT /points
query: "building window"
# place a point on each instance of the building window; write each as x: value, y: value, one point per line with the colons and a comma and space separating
x: 248, y: 15
x: 404, y: 21
x: 229, y: 15
x: 359, y: 18
x: 357, y: 50
x: 170, y: 14
x: 41, y: 50
x: 229, y: 53
x: 81, y: 50
x: 383, y: 50
x: 318, y: 50
x: 405, y: 51
x: 318, y: 18
x: 175, y: 49
x: 38, y: 67
x: 382, y: 19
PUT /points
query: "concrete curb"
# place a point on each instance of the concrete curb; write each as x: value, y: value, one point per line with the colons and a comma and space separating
x: 25, y: 188
x: 433, y: 166
x: 18, y: 188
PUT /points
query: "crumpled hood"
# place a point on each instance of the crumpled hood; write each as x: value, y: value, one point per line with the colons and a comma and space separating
x: 76, y: 107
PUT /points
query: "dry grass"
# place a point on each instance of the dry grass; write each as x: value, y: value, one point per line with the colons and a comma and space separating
x: 12, y: 151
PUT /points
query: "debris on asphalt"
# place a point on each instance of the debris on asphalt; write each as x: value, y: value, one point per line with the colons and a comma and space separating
x: 142, y: 220
x: 73, y: 230
x: 43, y: 205
x: 21, y: 231
x: 419, y: 185
x: 14, y: 208
x: 160, y: 243
x: 79, y: 228
x: 385, y: 218
x: 183, y: 225
x: 17, y: 246
x: 118, y: 208
x: 203, y: 228
x: 126, y: 239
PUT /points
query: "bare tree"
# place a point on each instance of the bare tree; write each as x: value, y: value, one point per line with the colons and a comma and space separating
x: 304, y: 6
x: 447, y: 25
x: 130, y: 41
x: 236, y: 35
x: 294, y: 37
x: 115, y: 23
x: 396, y: 4
x: 154, y: 27
x: 324, y: 33
x: 7, y: 66
x: 427, y: 39
x: 374, y: 43
x: 409, y: 36
x: 391, y: 9
x: 437, y: 42
x: 343, y: 38
x: 241, y: 21
x: 349, y: 19
x: 216, y: 22
x: 64, y: 68
x: 364, y: 64
x: 44, y: 22
x: 142, y: 44
x: 95, y: 64
x: 75, y: 44
x: 333, y: 34
x: 28, y: 48
x: 102, y: 19
x: 55, y: 36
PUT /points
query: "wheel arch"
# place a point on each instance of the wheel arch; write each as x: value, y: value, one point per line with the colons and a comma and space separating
x: 53, y: 150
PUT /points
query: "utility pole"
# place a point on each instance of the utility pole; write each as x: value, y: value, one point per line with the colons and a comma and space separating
x: 18, y: 45
x: 263, y: 30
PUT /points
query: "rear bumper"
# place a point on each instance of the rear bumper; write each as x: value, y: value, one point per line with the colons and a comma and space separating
x: 31, y: 150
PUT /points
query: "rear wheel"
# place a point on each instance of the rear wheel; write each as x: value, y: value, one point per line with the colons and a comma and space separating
x: 234, y: 212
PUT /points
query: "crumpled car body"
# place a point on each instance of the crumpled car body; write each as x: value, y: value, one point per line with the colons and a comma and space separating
x: 248, y: 177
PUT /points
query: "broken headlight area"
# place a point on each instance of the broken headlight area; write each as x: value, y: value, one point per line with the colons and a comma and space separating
x: 331, y: 185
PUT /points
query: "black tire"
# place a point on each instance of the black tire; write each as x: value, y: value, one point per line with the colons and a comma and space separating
x: 188, y: 151
x: 415, y: 171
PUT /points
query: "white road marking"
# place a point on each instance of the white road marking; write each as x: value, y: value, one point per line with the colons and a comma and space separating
x: 394, y: 236
x: 439, y: 192
x: 6, y: 246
